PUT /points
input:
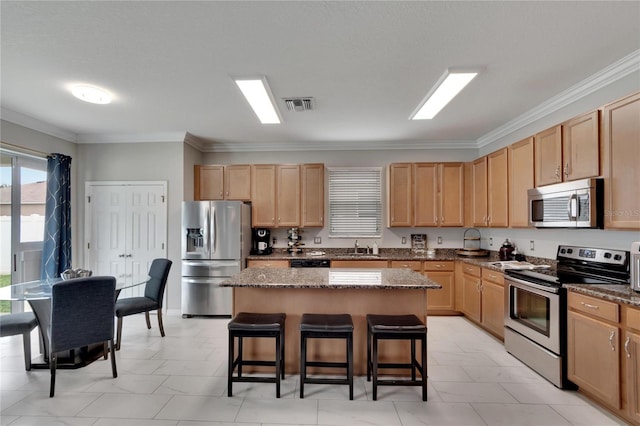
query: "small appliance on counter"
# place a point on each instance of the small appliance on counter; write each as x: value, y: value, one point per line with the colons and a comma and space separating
x: 294, y: 237
x: 471, y: 244
x: 634, y: 266
x: 261, y: 239
x: 506, y: 251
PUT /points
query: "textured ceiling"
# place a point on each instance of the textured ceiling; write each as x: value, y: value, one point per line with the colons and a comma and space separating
x: 367, y: 65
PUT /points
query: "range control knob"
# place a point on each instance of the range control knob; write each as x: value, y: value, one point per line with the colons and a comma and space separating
x: 608, y: 255
x: 617, y: 257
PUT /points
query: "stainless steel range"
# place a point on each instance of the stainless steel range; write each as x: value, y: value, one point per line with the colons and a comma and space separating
x: 536, y: 306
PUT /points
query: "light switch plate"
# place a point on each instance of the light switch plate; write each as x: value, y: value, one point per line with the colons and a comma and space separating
x: 403, y: 240
x: 317, y: 240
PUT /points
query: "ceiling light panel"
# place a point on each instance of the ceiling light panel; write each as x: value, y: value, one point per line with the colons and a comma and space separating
x: 92, y: 94
x: 447, y: 87
x: 256, y: 91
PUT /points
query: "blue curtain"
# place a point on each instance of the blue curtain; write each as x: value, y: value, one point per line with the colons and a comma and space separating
x: 56, y: 252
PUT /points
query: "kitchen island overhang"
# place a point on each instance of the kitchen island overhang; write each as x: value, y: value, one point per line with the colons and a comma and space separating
x: 358, y: 292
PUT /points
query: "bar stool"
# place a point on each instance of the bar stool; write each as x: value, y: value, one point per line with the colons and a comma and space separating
x: 396, y: 327
x: 326, y: 326
x: 246, y: 324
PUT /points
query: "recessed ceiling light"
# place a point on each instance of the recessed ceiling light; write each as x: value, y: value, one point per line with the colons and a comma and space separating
x: 257, y: 93
x: 91, y: 94
x: 447, y: 87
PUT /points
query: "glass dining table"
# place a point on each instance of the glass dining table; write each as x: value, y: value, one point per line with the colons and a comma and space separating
x: 38, y: 295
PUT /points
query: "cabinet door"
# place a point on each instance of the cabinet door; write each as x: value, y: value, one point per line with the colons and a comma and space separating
x: 497, y: 189
x: 451, y: 194
x: 548, y: 156
x: 442, y: 299
x: 593, y: 357
x: 471, y: 297
x: 520, y: 181
x: 400, y: 195
x: 208, y: 183
x: 632, y: 368
x: 581, y: 147
x: 425, y: 205
x: 263, y: 195
x: 312, y: 195
x: 479, y: 185
x: 288, y: 190
x: 237, y: 182
x: 621, y: 156
x: 493, y: 307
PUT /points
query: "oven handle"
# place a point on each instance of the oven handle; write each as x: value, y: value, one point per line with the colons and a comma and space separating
x: 532, y: 287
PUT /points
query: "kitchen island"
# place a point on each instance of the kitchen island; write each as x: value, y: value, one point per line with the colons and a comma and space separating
x: 357, y: 292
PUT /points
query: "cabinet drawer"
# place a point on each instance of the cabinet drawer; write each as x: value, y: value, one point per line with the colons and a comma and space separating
x: 633, y: 318
x: 471, y: 269
x: 594, y: 307
x: 412, y: 264
x: 438, y: 266
x: 493, y: 276
x: 251, y: 263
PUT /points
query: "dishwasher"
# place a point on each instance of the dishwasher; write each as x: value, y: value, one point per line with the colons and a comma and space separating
x: 310, y: 263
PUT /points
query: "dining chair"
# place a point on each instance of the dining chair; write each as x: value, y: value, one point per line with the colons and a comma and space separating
x: 81, y: 314
x: 152, y: 299
x: 20, y: 323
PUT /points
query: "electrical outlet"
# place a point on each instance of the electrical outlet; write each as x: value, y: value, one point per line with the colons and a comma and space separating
x: 275, y: 241
x: 403, y: 240
x: 439, y: 240
x: 317, y: 240
x: 490, y: 241
x: 532, y: 245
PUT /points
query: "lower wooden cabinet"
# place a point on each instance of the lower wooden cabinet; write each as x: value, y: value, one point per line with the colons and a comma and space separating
x: 275, y: 263
x: 593, y: 347
x: 441, y: 300
x: 631, y: 357
x: 471, y: 296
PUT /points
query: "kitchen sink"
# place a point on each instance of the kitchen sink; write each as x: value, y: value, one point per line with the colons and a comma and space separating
x: 513, y: 264
x: 363, y: 255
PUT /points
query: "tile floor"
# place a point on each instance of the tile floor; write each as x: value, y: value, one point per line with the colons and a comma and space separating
x: 180, y: 380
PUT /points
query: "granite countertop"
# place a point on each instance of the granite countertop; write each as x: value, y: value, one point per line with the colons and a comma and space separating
x: 331, y: 278
x: 614, y: 293
x: 398, y: 254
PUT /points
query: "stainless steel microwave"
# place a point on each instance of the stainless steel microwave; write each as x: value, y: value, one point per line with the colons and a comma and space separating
x: 576, y: 204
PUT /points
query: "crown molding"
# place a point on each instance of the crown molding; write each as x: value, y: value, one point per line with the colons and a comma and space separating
x: 331, y: 146
x: 599, y: 80
x: 131, y: 137
x: 38, y: 125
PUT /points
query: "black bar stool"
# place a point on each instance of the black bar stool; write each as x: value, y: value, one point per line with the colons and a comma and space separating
x: 247, y: 324
x: 326, y: 326
x: 396, y: 327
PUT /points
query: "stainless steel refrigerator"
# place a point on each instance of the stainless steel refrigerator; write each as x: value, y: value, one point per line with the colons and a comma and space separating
x: 216, y: 239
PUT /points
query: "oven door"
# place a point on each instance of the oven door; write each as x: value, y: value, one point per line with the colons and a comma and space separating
x: 533, y: 311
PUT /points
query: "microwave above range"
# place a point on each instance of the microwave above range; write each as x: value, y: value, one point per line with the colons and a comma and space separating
x: 576, y: 204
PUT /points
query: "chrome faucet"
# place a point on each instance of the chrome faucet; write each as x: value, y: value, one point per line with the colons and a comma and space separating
x: 355, y: 251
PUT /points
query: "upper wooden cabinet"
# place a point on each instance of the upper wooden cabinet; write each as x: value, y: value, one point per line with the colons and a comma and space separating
x: 490, y: 203
x: 581, y: 147
x: 263, y: 201
x: 520, y: 181
x: 426, y: 194
x: 214, y: 182
x: 312, y: 195
x: 400, y: 194
x: 548, y: 156
x: 288, y: 195
x: 568, y: 151
x: 621, y: 157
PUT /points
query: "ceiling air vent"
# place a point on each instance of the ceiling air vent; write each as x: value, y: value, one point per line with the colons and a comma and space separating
x: 299, y: 104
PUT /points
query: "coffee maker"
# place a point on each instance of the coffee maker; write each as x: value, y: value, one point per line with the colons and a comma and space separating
x: 261, y: 238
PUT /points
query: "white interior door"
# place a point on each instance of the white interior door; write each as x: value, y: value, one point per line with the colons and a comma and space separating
x: 126, y: 229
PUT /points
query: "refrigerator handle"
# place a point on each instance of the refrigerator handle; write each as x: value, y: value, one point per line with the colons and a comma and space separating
x: 206, y: 232
x: 213, y: 237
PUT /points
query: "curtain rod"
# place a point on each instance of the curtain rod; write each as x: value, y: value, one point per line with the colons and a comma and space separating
x: 23, y: 150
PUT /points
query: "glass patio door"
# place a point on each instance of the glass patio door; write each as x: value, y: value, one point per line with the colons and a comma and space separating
x: 23, y: 185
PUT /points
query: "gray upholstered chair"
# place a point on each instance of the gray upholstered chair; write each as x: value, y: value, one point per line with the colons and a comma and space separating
x: 152, y: 300
x: 82, y: 312
x: 20, y: 323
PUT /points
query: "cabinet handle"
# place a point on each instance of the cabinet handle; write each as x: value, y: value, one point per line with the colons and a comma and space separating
x: 566, y: 170
x: 442, y: 219
x: 611, y: 336
x: 587, y: 305
x: 439, y: 266
x: 626, y: 347
x: 558, y: 172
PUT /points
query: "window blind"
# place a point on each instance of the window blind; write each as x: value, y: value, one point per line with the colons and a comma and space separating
x: 355, y: 202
